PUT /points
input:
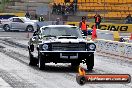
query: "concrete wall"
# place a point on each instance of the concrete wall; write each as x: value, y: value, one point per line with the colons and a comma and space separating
x: 121, y: 49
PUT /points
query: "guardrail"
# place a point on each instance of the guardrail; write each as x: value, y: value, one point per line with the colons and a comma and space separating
x: 121, y: 49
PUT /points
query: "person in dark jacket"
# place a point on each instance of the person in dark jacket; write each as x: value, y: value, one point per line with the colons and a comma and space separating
x: 27, y: 14
x: 59, y: 8
x: 54, y: 8
x: 129, y: 19
x: 63, y: 9
x: 57, y: 21
x: 41, y: 18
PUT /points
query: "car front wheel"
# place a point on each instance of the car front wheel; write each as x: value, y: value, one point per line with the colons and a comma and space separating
x: 41, y: 62
x: 90, y: 62
x: 32, y: 60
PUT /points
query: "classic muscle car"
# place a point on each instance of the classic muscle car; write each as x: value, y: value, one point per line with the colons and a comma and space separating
x: 60, y: 44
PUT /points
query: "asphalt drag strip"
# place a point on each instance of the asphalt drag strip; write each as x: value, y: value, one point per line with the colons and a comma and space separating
x: 15, y: 63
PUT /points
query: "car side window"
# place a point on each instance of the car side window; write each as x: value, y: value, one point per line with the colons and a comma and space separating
x: 17, y: 20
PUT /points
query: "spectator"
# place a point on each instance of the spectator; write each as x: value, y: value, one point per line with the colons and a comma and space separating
x: 72, y: 7
x: 27, y: 14
x: 59, y: 8
x: 63, y: 9
x: 129, y: 19
x: 83, y: 26
x: 97, y: 20
x: 36, y: 16
x: 75, y: 5
x: 57, y: 21
x: 41, y: 18
x: 54, y: 8
x: 67, y: 8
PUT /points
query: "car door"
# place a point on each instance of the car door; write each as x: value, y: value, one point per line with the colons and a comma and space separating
x: 17, y: 23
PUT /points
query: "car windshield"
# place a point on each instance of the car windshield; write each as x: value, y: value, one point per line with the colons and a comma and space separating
x: 62, y: 31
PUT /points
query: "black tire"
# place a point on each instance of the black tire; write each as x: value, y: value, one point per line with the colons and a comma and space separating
x: 29, y: 28
x: 41, y: 62
x: 82, y: 80
x: 90, y: 62
x: 6, y: 27
x: 32, y: 60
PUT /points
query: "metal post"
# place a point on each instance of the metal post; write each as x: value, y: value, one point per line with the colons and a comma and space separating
x: 49, y: 12
x: 27, y: 6
x: 104, y: 10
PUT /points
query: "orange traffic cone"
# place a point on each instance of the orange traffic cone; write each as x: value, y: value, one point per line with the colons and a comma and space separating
x: 94, y: 36
x: 131, y: 37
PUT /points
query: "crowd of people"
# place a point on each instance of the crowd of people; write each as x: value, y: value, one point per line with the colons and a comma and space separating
x: 65, y: 8
x: 35, y: 16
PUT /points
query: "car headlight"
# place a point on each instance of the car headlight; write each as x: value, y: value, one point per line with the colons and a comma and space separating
x: 92, y: 46
x: 45, y: 47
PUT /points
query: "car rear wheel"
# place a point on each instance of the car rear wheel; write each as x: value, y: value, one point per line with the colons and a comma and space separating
x: 90, y: 62
x: 29, y: 28
x: 41, y: 62
x: 6, y: 27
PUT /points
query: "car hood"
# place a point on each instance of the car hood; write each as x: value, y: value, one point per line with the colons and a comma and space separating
x: 57, y: 40
x: 34, y: 20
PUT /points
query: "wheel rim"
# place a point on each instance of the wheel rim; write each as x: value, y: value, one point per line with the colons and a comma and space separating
x: 29, y: 29
x: 7, y: 28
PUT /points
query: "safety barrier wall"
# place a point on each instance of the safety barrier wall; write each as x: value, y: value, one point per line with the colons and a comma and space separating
x: 114, y: 48
x: 105, y: 34
x: 108, y: 35
x: 125, y: 28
